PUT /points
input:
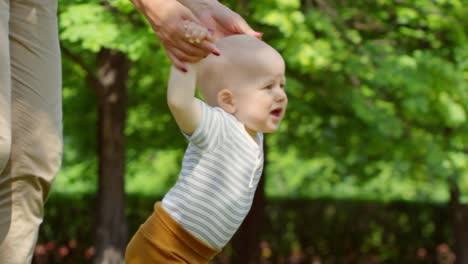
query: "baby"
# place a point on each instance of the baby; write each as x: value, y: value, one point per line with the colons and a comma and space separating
x: 244, y: 97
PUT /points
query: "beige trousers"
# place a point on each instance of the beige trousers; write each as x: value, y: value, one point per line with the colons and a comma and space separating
x: 30, y: 121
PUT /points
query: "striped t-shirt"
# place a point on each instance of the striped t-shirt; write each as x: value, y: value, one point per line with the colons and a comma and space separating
x: 220, y: 172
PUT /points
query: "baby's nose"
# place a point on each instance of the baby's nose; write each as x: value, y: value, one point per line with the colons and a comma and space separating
x: 281, y: 95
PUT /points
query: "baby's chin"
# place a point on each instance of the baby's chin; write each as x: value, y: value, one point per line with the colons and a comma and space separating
x: 267, y: 129
x: 272, y: 130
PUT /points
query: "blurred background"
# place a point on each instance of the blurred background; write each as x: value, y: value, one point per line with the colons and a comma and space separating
x: 370, y: 164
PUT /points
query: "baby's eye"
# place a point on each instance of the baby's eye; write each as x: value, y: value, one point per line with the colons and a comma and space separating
x: 282, y: 85
x: 268, y: 87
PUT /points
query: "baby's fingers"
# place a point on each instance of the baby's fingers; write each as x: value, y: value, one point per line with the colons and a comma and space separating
x: 198, y: 40
x: 195, y: 33
x: 201, y: 34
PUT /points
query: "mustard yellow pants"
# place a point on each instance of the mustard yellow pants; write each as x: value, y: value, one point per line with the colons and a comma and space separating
x: 162, y: 240
x: 30, y: 121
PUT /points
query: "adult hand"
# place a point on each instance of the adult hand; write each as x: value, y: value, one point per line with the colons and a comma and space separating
x: 222, y: 20
x: 167, y: 18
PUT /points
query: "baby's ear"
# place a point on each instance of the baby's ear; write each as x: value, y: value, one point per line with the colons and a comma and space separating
x: 226, y: 101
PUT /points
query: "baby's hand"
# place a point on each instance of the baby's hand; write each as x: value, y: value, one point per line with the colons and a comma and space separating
x: 196, y: 34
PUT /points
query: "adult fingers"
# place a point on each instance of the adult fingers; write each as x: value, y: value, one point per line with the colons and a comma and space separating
x: 244, y: 28
x: 197, y: 40
x: 190, y: 45
x: 194, y: 49
x: 232, y: 23
x: 182, y: 39
x: 241, y: 27
x: 181, y: 49
x: 184, y: 57
x: 177, y: 63
x: 200, y: 50
x: 207, y: 45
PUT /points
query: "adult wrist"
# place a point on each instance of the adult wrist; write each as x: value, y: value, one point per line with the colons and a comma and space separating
x: 142, y: 5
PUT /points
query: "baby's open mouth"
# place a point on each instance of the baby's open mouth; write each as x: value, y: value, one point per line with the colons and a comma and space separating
x: 276, y: 112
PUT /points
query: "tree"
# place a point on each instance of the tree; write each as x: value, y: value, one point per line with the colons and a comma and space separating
x: 110, y: 87
x: 111, y: 228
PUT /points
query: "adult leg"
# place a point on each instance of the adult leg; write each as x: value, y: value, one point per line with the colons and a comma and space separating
x: 36, y: 122
x: 5, y: 119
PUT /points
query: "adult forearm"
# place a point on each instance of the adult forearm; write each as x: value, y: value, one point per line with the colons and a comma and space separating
x: 142, y: 5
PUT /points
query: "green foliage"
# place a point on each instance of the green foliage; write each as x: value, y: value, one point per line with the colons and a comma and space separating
x: 85, y: 28
x: 153, y: 172
x: 380, y: 103
x: 378, y: 97
x: 96, y: 25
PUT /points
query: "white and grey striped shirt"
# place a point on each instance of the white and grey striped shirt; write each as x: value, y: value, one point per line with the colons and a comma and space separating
x: 220, y: 172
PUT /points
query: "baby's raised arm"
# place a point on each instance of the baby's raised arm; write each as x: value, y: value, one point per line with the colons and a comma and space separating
x: 181, y: 88
x: 181, y: 98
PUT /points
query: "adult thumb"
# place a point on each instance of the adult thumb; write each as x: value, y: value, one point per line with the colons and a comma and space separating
x: 244, y: 28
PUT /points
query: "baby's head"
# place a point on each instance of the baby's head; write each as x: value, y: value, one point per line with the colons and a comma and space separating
x: 247, y: 80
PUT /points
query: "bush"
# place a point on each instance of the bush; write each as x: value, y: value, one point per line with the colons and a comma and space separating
x: 295, y: 231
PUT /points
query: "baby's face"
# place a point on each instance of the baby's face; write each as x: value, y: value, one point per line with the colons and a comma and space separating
x: 260, y: 98
x: 252, y: 73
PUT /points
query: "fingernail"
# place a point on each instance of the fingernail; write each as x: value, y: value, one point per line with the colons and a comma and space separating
x: 216, y: 52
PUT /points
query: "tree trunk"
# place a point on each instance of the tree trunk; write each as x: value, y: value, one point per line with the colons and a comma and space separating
x: 246, y: 245
x: 460, y: 225
x: 111, y: 226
